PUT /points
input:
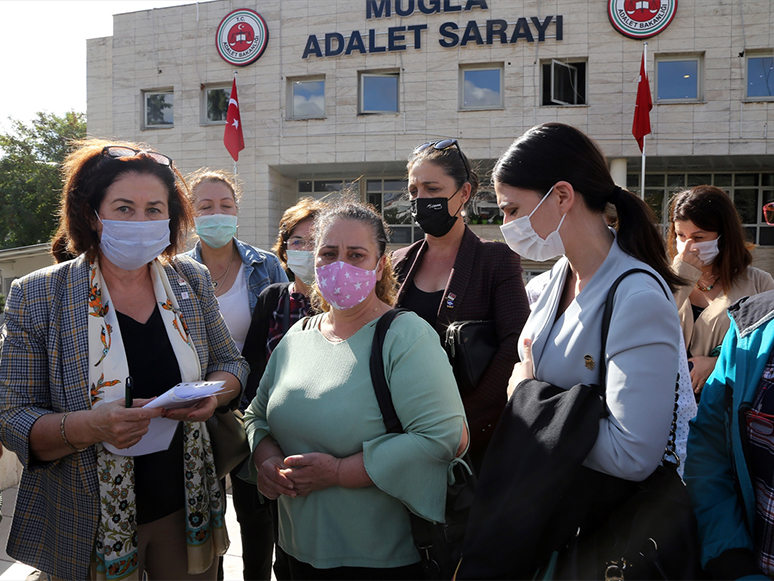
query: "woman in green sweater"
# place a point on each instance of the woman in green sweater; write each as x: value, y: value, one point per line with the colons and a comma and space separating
x: 343, y: 483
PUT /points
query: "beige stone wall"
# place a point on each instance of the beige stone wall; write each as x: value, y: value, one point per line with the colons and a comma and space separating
x: 174, y: 48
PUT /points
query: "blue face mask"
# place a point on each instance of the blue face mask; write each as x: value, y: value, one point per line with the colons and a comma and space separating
x: 129, y: 244
x: 215, y: 230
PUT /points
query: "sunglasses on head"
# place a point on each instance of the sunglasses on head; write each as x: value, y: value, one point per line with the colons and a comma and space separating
x: 122, y: 152
x: 768, y: 213
x: 441, y: 145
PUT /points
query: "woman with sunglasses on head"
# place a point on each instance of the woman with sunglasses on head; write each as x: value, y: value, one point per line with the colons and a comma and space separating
x: 553, y: 185
x: 279, y: 306
x: 320, y: 445
x: 87, y: 343
x: 453, y: 275
x: 708, y: 248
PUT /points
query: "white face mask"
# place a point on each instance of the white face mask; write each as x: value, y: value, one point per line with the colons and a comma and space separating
x: 708, y: 250
x: 301, y: 263
x: 130, y: 244
x: 523, y: 240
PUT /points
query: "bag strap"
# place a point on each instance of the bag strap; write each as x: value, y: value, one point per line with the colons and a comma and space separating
x: 376, y: 365
x: 608, y: 314
x: 670, y: 450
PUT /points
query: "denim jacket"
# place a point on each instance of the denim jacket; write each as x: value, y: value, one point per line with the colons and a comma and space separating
x: 261, y: 268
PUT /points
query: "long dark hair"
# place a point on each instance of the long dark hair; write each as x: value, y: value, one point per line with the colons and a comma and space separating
x: 712, y: 210
x: 554, y: 152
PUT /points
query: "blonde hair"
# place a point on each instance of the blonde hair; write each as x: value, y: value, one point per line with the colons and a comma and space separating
x: 205, y: 174
x: 349, y: 209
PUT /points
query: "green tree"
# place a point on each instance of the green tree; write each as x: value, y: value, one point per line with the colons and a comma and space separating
x: 30, y: 182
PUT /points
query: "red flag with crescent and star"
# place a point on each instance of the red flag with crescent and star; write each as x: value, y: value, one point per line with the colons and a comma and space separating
x: 642, y: 107
x: 232, y: 137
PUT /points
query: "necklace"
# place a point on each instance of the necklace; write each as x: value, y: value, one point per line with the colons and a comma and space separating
x: 707, y: 287
x: 215, y: 280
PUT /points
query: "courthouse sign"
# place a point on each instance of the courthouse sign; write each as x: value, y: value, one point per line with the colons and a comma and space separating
x: 242, y: 37
x: 641, y: 18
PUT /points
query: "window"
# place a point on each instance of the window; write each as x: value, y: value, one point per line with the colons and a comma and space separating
x: 306, y: 98
x: 749, y: 192
x: 760, y: 77
x: 678, y: 79
x: 323, y: 188
x: 215, y: 104
x: 390, y: 197
x: 563, y: 82
x: 158, y: 109
x: 481, y: 87
x: 379, y: 92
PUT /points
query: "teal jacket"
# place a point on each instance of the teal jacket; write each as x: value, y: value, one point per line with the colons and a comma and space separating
x: 716, y: 471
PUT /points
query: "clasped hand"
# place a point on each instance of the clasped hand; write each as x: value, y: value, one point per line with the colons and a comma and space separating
x: 297, y: 475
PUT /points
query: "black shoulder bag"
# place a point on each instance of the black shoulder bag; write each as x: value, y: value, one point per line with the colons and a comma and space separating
x: 538, y: 509
x: 471, y: 346
x: 439, y: 544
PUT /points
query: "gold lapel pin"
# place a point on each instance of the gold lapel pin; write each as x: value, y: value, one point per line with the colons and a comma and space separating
x: 589, y: 361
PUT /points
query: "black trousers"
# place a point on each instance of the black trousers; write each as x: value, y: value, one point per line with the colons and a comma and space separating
x: 255, y: 528
x: 300, y: 571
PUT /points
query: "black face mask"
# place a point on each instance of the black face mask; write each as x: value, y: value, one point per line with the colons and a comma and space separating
x: 432, y: 215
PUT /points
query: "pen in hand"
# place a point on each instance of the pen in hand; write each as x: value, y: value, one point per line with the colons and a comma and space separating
x: 128, y: 392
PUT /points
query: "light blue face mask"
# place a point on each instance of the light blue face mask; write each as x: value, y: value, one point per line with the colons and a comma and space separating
x: 129, y: 244
x: 215, y: 230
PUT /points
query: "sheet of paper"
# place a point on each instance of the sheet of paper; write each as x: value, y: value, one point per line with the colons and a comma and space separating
x: 162, y: 430
x: 185, y: 394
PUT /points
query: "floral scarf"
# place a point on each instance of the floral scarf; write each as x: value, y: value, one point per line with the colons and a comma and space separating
x: 116, y: 544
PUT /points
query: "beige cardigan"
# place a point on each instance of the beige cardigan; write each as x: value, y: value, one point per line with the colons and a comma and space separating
x: 707, y: 332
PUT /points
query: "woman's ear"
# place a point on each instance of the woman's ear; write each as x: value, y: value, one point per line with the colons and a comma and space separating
x: 566, y: 195
x: 380, y: 266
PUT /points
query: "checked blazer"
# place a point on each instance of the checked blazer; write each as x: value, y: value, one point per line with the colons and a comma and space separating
x: 485, y: 284
x: 44, y: 369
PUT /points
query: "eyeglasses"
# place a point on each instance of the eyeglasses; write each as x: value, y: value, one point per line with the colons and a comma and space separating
x: 121, y: 152
x: 298, y: 243
x: 768, y: 213
x: 442, y: 145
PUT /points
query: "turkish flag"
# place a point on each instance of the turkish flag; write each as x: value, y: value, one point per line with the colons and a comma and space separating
x: 642, y: 107
x: 232, y: 137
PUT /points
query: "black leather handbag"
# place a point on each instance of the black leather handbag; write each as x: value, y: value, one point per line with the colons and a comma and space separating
x: 439, y: 544
x: 539, y: 513
x: 471, y: 346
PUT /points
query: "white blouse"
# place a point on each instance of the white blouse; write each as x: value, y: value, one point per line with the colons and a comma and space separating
x: 235, y: 308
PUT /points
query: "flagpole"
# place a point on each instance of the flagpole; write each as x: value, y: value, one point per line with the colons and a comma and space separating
x: 642, y: 170
x: 240, y: 117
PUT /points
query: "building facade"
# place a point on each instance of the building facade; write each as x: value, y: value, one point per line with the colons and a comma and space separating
x: 343, y: 90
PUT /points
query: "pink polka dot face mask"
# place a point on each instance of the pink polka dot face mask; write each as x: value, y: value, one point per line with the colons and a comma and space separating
x: 343, y: 285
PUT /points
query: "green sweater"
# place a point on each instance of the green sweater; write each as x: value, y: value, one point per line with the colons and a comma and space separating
x: 317, y: 396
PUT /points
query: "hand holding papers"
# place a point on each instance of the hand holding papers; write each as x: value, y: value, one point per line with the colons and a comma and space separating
x: 162, y: 430
x: 186, y: 394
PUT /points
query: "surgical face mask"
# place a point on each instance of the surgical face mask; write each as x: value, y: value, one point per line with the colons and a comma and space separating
x: 215, y: 230
x: 301, y: 263
x: 522, y: 238
x: 432, y: 215
x: 343, y: 285
x: 130, y: 244
x: 708, y: 250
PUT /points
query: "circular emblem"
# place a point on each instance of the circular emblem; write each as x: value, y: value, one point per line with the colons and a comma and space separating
x: 641, y: 18
x: 242, y: 37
